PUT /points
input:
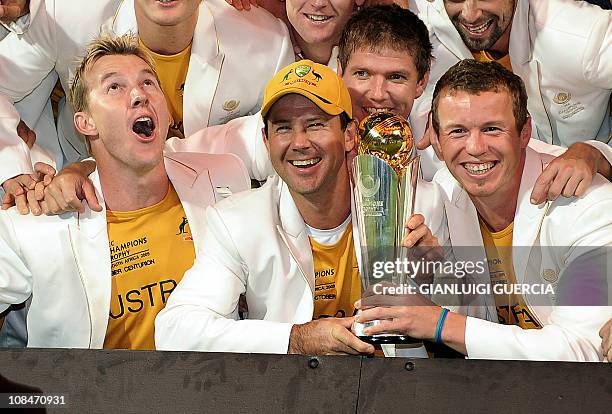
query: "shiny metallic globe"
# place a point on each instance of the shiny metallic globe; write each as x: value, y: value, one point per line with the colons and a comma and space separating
x: 386, y: 136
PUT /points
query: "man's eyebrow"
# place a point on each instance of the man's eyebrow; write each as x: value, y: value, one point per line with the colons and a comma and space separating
x: 278, y: 120
x: 452, y: 126
x: 106, y: 76
x: 493, y: 122
x: 318, y: 117
x: 149, y: 71
x: 398, y: 72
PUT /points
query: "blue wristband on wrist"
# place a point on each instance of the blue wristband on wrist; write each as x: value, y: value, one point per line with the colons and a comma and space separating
x: 440, y: 325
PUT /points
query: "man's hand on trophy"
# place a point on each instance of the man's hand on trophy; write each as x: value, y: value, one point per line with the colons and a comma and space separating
x: 417, y: 234
x: 66, y: 191
x: 414, y: 320
x: 328, y: 336
x: 417, y: 321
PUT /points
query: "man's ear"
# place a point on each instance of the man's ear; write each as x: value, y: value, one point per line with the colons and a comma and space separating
x: 350, y: 136
x: 265, y: 139
x: 526, y: 132
x: 421, y: 85
x: 85, y: 124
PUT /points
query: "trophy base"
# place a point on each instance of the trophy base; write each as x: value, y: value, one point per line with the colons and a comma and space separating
x: 389, y: 339
x: 382, y: 338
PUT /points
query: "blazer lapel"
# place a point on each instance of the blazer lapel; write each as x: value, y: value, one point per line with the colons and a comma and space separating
x: 186, y: 178
x: 125, y: 19
x: 522, y: 37
x: 293, y: 232
x: 203, y: 75
x: 89, y: 241
x: 528, y: 217
x: 467, y: 246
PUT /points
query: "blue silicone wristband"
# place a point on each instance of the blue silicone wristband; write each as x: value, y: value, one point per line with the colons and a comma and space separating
x: 440, y: 325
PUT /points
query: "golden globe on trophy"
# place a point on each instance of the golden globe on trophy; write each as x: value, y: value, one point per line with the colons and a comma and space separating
x: 385, y: 172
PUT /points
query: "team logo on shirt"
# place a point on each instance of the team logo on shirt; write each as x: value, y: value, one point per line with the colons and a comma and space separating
x: 182, y: 229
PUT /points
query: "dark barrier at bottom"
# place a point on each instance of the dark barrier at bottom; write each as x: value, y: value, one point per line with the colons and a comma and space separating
x: 132, y: 381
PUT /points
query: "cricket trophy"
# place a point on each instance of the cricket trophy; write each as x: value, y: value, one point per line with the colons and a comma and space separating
x: 385, y: 172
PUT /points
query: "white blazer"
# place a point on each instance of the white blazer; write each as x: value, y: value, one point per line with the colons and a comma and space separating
x: 233, y: 55
x: 562, y: 51
x: 255, y: 243
x: 573, y: 226
x: 64, y: 261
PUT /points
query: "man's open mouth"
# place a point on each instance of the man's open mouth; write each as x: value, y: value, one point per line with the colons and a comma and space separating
x: 305, y: 163
x: 479, y: 168
x: 372, y: 110
x: 481, y: 28
x: 144, y: 126
x: 317, y: 17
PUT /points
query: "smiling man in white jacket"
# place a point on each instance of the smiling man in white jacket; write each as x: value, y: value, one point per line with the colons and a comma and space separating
x: 559, y: 249
x: 561, y: 49
x: 289, y: 246
x: 98, y: 279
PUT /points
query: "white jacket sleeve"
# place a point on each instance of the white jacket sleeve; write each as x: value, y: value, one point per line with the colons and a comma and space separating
x: 14, y: 153
x: 581, y: 233
x: 15, y: 278
x: 570, y: 336
x: 201, y: 312
x: 597, y: 56
x: 241, y: 137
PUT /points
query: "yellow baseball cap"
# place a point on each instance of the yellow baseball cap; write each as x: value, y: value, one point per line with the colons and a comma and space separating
x: 316, y: 82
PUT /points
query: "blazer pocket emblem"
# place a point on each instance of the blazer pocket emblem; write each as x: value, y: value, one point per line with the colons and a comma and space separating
x: 562, y: 97
x: 231, y: 105
x: 550, y: 275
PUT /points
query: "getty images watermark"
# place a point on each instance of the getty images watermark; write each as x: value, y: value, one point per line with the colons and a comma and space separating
x: 459, y: 269
x: 542, y: 275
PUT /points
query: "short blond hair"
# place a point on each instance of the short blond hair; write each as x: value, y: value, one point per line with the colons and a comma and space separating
x: 104, y: 45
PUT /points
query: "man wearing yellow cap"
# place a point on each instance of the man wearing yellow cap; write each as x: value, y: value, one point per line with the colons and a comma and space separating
x: 288, y: 246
